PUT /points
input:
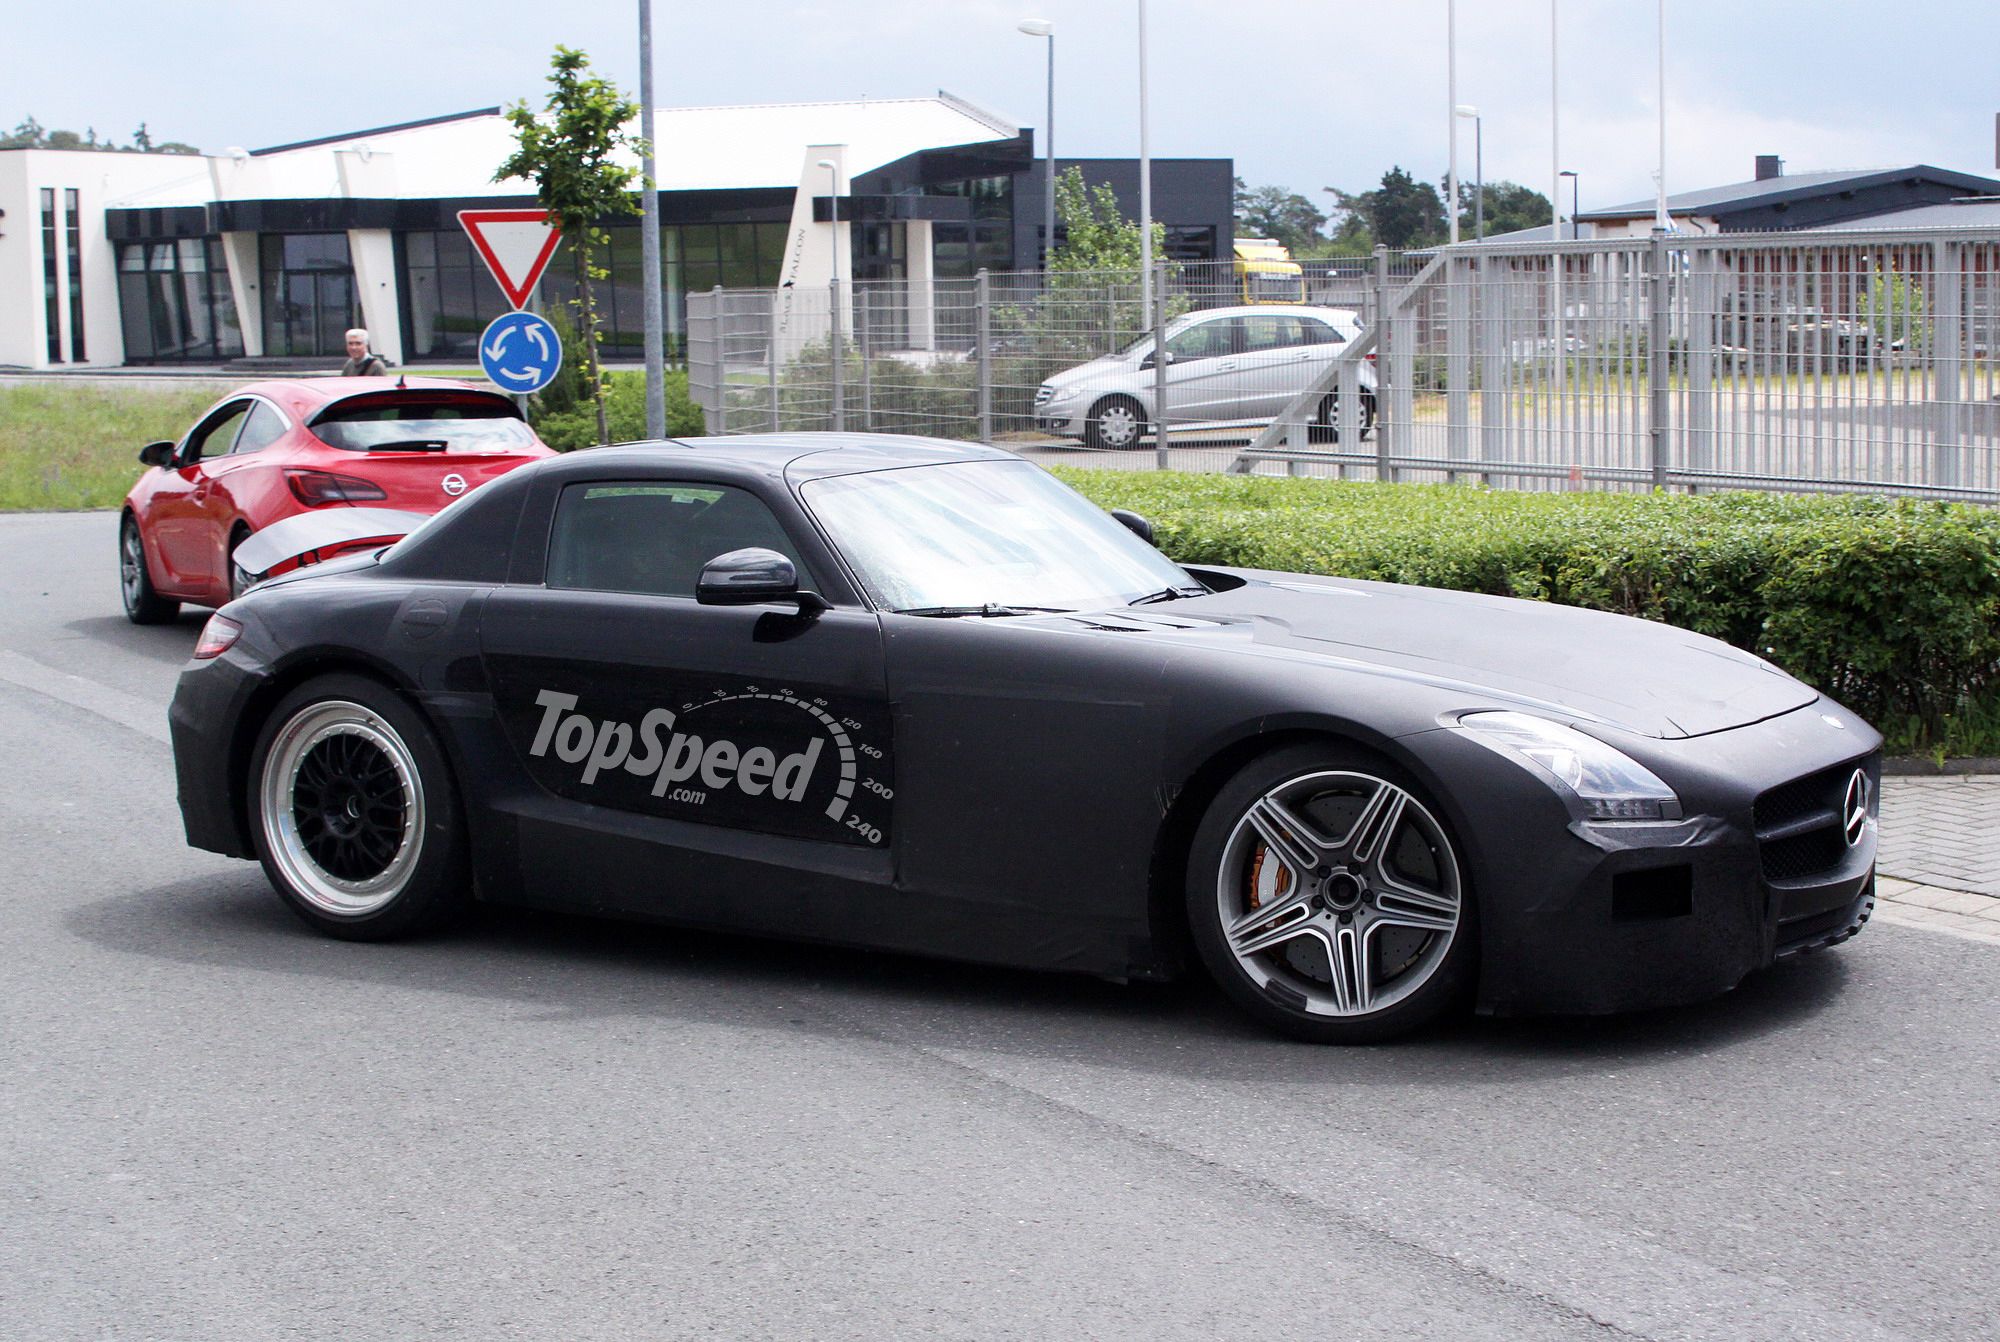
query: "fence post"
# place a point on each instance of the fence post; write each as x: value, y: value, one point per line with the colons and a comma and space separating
x: 1659, y: 361
x: 1158, y: 316
x: 1458, y: 279
x: 1493, y: 372
x: 1704, y: 314
x: 1393, y: 370
x: 771, y: 358
x: 719, y: 328
x: 861, y: 345
x: 982, y: 312
x: 1948, y: 361
x: 839, y: 356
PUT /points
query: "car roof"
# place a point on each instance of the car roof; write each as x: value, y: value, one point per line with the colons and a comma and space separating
x: 1271, y: 309
x: 796, y: 456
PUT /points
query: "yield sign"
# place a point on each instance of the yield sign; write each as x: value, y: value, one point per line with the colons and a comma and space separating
x: 515, y: 244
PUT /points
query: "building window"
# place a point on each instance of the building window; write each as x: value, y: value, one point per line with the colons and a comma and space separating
x: 309, y: 298
x: 51, y: 270
x: 174, y: 302
x: 76, y: 349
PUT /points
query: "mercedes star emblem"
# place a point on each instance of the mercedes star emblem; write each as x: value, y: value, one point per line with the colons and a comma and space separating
x: 1854, y: 809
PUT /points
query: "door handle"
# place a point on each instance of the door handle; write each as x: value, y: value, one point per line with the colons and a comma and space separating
x: 1226, y: 365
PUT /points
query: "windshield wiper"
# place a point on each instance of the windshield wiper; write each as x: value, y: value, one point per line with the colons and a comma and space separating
x: 1167, y: 595
x: 990, y: 609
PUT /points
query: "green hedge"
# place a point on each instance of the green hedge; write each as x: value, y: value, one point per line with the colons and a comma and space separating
x: 624, y: 413
x: 1891, y: 606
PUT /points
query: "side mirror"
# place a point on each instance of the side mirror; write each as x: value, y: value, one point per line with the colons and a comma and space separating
x: 1134, y: 523
x: 1152, y: 360
x: 156, y: 454
x: 753, y: 577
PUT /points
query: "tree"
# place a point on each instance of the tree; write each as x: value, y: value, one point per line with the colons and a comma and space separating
x: 141, y: 141
x: 1273, y: 212
x: 567, y: 151
x: 1401, y: 213
x: 1509, y: 208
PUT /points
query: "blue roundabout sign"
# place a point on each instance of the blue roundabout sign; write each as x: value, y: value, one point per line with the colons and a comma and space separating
x: 520, y: 351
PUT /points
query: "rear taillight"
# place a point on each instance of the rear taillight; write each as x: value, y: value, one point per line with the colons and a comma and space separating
x: 316, y: 489
x: 218, y: 636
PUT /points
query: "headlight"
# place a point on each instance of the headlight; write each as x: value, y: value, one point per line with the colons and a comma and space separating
x: 1061, y: 394
x: 1610, y: 784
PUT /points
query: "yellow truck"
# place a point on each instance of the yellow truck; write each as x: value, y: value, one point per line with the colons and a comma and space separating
x: 1266, y: 273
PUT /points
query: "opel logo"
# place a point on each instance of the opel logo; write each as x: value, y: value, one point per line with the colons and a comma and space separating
x: 454, y: 485
x: 1854, y: 808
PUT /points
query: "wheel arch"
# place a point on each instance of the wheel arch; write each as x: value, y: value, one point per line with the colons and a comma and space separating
x: 1220, y: 761
x: 293, y: 672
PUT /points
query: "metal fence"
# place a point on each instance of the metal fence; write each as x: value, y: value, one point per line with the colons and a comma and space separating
x: 1855, y: 360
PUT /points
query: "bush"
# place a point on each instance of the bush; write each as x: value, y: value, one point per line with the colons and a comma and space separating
x: 1891, y: 606
x: 624, y: 412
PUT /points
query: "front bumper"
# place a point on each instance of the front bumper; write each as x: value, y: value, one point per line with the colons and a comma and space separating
x: 1617, y: 917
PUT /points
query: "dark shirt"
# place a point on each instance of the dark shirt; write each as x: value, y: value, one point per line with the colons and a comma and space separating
x: 368, y: 365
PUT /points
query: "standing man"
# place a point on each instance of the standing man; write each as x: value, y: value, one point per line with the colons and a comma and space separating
x: 361, y: 362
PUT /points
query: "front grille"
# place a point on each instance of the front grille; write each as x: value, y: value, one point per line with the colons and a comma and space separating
x: 1799, y: 831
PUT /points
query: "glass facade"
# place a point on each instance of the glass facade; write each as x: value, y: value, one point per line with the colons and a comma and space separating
x: 961, y: 251
x: 174, y: 302
x: 448, y: 296
x: 51, y: 295
x: 76, y: 346
x: 309, y: 298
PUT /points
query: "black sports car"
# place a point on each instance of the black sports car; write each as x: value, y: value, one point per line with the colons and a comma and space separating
x: 918, y: 695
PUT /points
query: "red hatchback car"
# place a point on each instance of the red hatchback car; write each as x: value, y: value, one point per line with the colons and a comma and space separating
x: 273, y: 450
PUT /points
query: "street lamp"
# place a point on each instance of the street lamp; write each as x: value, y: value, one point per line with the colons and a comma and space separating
x: 1451, y: 100
x: 1574, y: 183
x: 1043, y: 28
x: 833, y: 292
x: 1478, y: 171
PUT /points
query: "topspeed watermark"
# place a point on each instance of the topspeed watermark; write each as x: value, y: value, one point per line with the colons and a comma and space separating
x: 670, y: 759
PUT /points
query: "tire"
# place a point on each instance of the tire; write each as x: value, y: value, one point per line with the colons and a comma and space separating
x: 143, y: 605
x: 354, y: 812
x: 1325, y: 427
x: 1389, y: 891
x: 1114, y: 424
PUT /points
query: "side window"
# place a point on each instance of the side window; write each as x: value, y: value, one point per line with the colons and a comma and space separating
x: 1269, y: 333
x: 264, y: 427
x: 654, y: 537
x: 1319, y: 333
x: 1204, y: 340
x: 214, y: 435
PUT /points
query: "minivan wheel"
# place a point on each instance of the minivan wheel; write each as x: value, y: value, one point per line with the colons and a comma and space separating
x: 1326, y: 421
x: 1115, y: 423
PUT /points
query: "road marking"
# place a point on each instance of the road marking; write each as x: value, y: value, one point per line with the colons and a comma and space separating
x: 127, y: 710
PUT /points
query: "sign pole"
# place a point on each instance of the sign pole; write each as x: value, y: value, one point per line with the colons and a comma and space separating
x: 649, y: 250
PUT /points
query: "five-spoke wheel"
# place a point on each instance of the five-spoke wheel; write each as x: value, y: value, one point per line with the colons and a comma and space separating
x: 1328, y: 899
x: 355, y: 813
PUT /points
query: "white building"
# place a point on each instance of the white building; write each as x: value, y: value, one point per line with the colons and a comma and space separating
x: 112, y: 258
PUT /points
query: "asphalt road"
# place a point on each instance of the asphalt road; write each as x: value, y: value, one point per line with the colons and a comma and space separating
x: 216, y: 1125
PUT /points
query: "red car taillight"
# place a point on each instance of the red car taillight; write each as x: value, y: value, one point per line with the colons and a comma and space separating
x: 316, y: 489
x: 218, y: 636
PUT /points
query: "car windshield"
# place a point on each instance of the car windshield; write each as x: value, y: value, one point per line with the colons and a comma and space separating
x: 984, y: 534
x: 415, y: 426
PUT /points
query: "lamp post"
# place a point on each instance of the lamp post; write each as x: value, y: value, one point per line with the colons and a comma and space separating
x: 833, y: 292
x: 1478, y: 170
x: 1451, y: 122
x: 649, y: 241
x: 1043, y: 28
x: 1574, y: 191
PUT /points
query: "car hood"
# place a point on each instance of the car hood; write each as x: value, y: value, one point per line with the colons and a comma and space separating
x: 1635, y: 675
x: 1085, y: 372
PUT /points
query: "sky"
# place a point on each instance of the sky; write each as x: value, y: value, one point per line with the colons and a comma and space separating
x: 1303, y: 94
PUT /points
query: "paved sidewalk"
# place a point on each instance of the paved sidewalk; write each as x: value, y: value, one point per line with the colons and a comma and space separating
x: 1939, y: 862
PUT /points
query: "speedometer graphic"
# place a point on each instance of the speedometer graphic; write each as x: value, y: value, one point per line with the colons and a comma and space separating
x: 790, y: 759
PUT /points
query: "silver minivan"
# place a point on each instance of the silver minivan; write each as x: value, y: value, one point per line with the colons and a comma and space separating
x: 1242, y: 364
